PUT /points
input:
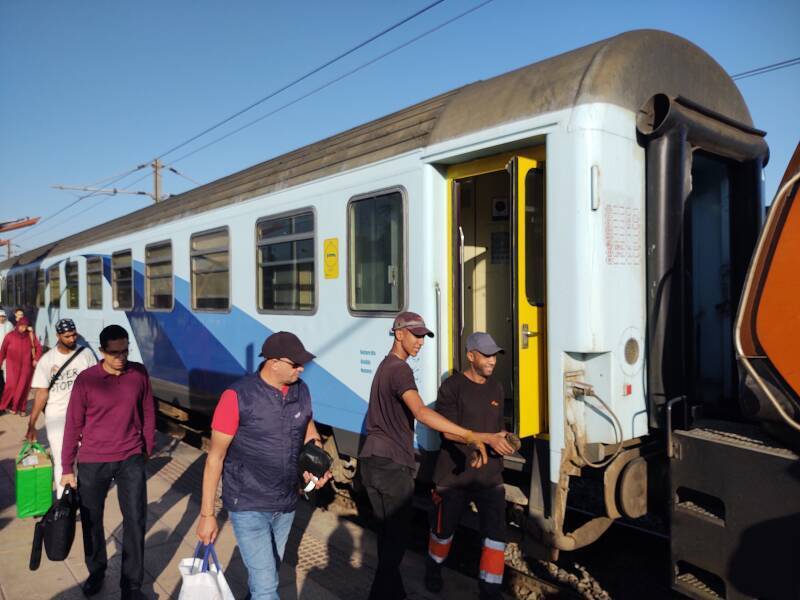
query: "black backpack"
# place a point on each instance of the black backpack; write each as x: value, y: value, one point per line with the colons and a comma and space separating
x: 56, y: 529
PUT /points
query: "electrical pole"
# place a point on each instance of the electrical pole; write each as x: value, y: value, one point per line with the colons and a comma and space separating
x: 157, y: 166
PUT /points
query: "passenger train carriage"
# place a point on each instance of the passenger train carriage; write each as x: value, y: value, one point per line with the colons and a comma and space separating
x: 596, y: 212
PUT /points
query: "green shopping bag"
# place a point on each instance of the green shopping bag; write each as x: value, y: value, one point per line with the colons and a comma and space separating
x: 34, y: 481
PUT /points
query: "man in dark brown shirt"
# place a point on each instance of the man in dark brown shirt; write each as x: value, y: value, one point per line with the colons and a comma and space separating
x: 387, y: 457
x: 474, y: 400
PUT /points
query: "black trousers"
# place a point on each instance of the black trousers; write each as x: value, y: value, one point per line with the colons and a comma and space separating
x: 449, y: 504
x: 390, y: 487
x: 94, y: 481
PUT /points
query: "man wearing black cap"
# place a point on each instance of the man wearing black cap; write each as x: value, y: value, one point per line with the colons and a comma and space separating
x: 387, y: 458
x: 259, y: 427
x: 53, y: 377
x: 475, y: 400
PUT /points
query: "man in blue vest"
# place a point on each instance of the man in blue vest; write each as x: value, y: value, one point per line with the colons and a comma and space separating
x: 258, y: 430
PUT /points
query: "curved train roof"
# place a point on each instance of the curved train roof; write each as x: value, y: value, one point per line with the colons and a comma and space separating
x: 624, y: 70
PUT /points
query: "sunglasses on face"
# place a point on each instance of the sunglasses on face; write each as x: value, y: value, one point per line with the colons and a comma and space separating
x: 292, y: 364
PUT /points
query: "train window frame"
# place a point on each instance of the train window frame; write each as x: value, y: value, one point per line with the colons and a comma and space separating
x: 193, y: 253
x: 403, y: 272
x: 55, y: 300
x: 41, y: 284
x: 115, y: 304
x: 90, y: 271
x: 283, y: 239
x: 68, y: 266
x: 148, y: 277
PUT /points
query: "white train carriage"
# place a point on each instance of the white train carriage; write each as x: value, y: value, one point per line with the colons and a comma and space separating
x: 545, y: 206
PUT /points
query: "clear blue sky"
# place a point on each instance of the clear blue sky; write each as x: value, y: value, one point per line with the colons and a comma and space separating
x: 91, y: 89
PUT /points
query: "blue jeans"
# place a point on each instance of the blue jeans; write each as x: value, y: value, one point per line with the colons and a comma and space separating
x: 262, y: 539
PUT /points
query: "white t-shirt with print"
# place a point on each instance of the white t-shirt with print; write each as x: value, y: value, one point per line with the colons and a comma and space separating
x: 49, y: 365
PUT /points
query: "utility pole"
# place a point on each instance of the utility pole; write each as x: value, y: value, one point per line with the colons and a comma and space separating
x: 157, y: 166
x: 155, y: 195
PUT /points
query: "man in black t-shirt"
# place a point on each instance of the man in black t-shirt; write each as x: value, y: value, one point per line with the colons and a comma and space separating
x: 474, y: 400
x: 386, y: 460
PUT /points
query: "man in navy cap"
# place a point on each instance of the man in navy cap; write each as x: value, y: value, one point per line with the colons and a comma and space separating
x: 387, y: 458
x: 474, y: 400
x: 53, y: 378
x: 259, y: 427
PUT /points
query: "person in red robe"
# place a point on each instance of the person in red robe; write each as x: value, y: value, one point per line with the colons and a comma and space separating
x: 20, y: 351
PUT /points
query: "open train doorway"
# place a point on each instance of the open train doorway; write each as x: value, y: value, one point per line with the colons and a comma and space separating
x: 498, y: 259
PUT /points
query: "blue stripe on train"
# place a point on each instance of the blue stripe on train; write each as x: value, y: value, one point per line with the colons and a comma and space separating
x: 207, y: 351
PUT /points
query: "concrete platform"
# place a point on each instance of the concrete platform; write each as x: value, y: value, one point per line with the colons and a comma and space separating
x: 328, y: 556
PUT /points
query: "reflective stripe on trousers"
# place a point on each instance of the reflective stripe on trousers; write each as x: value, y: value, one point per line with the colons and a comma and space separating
x: 492, y: 561
x: 439, y: 548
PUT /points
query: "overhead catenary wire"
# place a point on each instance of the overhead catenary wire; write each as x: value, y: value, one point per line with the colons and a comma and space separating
x: 767, y: 69
x: 292, y: 102
x: 258, y: 102
x: 112, y: 181
x: 332, y: 81
x: 294, y: 82
x: 37, y: 230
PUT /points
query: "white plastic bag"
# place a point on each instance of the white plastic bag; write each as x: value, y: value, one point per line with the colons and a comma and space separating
x: 203, y: 580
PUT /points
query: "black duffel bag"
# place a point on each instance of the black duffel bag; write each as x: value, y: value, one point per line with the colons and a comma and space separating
x: 56, y: 529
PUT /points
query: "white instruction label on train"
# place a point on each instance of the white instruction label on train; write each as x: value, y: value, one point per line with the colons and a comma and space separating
x: 622, y: 232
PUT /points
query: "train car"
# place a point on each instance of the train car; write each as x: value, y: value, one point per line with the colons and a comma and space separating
x: 596, y: 212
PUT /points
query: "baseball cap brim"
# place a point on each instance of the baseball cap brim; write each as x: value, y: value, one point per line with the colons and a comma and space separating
x: 420, y: 331
x: 302, y: 357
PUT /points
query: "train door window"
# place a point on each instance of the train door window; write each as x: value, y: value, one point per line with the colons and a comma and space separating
x: 55, y: 286
x: 122, y: 280
x: 285, y: 255
x: 40, y: 283
x: 211, y: 270
x: 71, y: 273
x: 94, y: 282
x: 32, y: 282
x: 17, y: 292
x: 24, y: 286
x: 158, y: 276
x: 376, y: 253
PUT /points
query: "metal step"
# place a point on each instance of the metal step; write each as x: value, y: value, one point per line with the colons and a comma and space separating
x: 734, y: 515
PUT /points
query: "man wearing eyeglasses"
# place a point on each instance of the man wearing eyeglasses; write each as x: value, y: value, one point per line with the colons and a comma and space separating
x: 259, y: 427
x: 111, y: 413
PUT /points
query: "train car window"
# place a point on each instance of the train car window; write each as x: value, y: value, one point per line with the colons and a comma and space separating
x: 55, y: 286
x: 122, y: 280
x: 71, y: 272
x: 94, y: 282
x: 211, y: 270
x: 40, y: 283
x: 286, y: 263
x: 535, y: 237
x: 376, y: 257
x: 158, y: 276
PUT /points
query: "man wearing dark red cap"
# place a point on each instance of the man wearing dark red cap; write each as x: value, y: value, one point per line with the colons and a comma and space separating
x: 259, y: 427
x: 387, y: 458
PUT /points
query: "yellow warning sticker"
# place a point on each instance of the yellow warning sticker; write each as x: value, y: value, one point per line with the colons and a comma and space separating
x: 330, y: 249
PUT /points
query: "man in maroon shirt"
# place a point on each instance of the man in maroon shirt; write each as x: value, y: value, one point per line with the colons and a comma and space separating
x: 112, y: 414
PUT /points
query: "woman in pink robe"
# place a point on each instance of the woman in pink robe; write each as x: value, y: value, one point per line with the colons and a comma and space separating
x: 20, y: 351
